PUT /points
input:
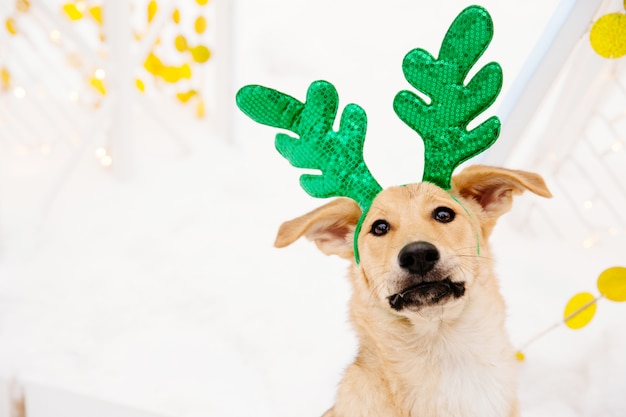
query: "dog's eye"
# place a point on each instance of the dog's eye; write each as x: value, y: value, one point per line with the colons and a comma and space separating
x: 443, y: 214
x: 380, y: 228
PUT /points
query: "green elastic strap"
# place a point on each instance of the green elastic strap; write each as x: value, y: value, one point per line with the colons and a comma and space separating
x: 471, y: 220
x: 357, y: 231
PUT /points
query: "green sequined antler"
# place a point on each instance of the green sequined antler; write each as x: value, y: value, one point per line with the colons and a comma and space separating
x: 337, y: 154
x: 442, y: 123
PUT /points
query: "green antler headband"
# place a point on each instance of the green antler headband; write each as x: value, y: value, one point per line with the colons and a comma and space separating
x: 442, y: 123
x: 337, y: 154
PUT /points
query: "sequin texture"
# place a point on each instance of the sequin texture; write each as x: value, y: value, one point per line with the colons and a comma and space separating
x: 337, y: 154
x: 442, y: 123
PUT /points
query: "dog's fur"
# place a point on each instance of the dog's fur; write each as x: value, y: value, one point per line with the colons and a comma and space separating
x: 432, y: 341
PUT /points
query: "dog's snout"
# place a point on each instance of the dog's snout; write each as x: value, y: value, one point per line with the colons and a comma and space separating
x: 418, y: 257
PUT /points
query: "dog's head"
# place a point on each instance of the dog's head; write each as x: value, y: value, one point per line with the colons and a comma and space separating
x: 420, y: 246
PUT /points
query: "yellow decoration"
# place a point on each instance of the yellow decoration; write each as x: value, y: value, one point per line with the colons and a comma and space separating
x: 96, y: 13
x: 176, y: 16
x: 5, y: 80
x: 174, y: 74
x: 612, y: 283
x: 153, y: 64
x: 608, y: 35
x: 22, y: 6
x: 519, y: 355
x: 200, y: 25
x: 185, y: 97
x: 580, y: 310
x: 10, y: 24
x: 72, y: 11
x: 200, y: 111
x: 140, y: 85
x: 202, y: 2
x: 98, y: 84
x: 152, y: 9
x: 200, y: 53
x: 181, y: 43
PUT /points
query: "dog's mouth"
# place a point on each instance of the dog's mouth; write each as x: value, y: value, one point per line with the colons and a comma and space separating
x: 427, y: 294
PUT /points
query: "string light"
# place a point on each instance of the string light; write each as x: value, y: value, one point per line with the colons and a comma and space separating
x: 55, y: 36
x: 590, y: 242
x: 100, y: 74
x: 588, y: 205
x: 19, y: 92
x: 81, y: 6
x: 102, y: 154
x: 106, y: 161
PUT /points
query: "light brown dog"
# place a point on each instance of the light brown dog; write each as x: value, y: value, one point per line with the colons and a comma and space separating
x: 425, y: 304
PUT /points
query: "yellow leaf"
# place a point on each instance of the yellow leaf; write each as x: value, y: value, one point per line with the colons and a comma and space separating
x: 202, y: 2
x: 200, y: 53
x: 612, y: 283
x: 185, y: 97
x: 22, y: 5
x: 608, y: 35
x: 176, y: 16
x: 153, y: 64
x: 200, y: 110
x: 200, y: 25
x: 96, y: 13
x: 175, y: 74
x: 5, y: 79
x: 580, y: 310
x: 72, y: 11
x: 152, y: 9
x: 98, y: 85
x: 10, y: 24
x: 140, y: 85
x: 180, y: 43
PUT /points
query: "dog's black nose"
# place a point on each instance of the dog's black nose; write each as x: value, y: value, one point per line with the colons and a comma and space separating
x: 418, y: 257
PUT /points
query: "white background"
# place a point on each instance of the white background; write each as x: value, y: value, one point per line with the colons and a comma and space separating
x: 163, y: 292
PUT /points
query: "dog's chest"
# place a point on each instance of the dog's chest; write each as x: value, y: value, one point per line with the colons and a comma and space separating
x: 457, y: 382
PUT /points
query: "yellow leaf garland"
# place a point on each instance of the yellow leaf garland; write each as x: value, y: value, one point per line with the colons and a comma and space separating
x: 200, y: 25
x: 200, y: 53
x: 152, y: 10
x: 72, y: 12
x: 608, y: 35
x: 96, y: 13
x: 10, y: 25
x: 580, y: 310
x: 180, y: 42
x: 612, y: 283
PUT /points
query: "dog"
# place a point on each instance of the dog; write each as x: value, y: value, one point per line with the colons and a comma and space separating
x: 425, y: 302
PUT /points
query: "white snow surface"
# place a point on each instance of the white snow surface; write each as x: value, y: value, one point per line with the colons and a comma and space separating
x: 162, y: 291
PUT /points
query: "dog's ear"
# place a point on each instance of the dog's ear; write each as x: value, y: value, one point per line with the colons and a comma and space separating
x: 493, y: 188
x: 331, y: 227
